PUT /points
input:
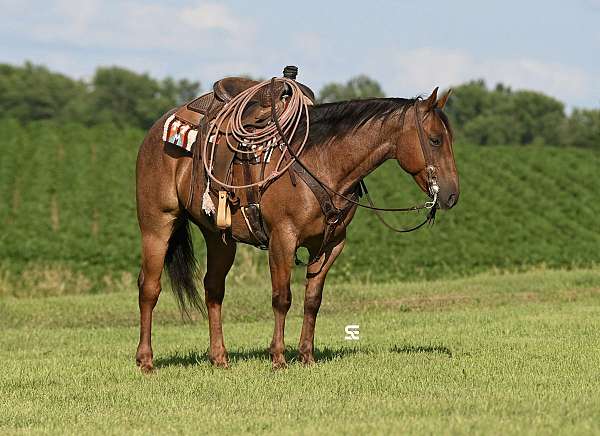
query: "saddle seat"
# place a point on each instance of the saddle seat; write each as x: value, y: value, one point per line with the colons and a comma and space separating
x: 257, y: 113
x: 229, y: 87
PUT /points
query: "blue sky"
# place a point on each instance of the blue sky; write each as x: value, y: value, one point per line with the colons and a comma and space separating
x: 408, y: 46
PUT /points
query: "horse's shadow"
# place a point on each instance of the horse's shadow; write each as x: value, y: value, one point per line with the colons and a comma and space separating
x: 325, y: 354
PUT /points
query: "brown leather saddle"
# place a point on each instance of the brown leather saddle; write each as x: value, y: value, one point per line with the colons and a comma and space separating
x: 201, y: 111
x: 258, y: 112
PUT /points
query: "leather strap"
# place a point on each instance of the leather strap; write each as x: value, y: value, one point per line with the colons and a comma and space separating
x: 329, y: 209
x: 333, y: 215
x: 254, y: 222
x: 251, y: 213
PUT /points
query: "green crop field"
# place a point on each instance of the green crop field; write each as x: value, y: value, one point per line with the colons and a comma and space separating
x: 485, y: 323
x: 67, y: 211
x: 513, y: 353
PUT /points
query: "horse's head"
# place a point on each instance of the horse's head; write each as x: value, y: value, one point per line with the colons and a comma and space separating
x: 425, y: 149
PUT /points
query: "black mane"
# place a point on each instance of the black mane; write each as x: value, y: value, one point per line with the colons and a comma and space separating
x: 330, y: 120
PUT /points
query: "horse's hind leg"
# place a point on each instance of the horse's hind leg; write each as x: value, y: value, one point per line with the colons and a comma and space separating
x: 155, y: 241
x: 219, y: 258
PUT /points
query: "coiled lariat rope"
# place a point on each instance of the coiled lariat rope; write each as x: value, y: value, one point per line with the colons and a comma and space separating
x: 229, y: 121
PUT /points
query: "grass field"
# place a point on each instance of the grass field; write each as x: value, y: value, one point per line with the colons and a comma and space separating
x: 514, y: 353
x: 67, y: 214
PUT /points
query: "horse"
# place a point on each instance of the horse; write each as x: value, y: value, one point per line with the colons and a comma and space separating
x: 346, y: 142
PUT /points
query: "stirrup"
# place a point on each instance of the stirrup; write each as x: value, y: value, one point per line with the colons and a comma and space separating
x: 223, y: 212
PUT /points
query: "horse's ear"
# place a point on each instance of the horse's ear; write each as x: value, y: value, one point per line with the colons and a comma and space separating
x: 432, y: 99
x: 442, y: 101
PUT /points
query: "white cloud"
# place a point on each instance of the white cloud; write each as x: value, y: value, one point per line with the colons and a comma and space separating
x: 137, y: 25
x: 211, y: 16
x: 420, y: 70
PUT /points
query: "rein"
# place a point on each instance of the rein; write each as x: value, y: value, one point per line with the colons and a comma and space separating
x: 431, y: 180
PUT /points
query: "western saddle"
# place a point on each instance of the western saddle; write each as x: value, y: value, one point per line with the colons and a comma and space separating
x: 224, y: 90
x: 200, y: 112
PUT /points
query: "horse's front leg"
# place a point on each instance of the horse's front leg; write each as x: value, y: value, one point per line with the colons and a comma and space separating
x: 315, y: 279
x: 281, y: 257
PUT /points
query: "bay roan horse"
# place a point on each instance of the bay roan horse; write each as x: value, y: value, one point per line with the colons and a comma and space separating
x: 346, y: 142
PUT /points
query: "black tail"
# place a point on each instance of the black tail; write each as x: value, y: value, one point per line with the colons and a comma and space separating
x: 182, y: 267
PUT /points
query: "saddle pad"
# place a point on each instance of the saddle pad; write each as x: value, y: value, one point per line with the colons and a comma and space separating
x: 179, y: 133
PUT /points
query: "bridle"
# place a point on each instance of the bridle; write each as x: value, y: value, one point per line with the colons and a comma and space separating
x: 430, y: 169
x: 431, y: 179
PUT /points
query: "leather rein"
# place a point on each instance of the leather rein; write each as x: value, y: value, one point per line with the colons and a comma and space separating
x: 430, y: 169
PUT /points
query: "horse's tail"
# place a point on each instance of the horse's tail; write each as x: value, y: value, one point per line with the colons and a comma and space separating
x: 182, y: 268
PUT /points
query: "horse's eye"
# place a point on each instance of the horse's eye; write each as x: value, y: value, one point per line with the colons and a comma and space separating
x: 436, y: 142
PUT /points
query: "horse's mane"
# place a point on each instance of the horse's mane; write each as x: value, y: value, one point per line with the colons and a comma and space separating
x: 330, y: 120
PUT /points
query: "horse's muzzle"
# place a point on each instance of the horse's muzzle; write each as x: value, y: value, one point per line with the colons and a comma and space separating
x: 448, y: 201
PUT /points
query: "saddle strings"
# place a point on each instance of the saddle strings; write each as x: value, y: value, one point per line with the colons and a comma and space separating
x: 229, y: 121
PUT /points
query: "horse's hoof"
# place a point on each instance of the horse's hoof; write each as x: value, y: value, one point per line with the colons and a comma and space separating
x: 220, y: 364
x: 307, y: 360
x: 144, y: 362
x: 219, y: 361
x: 279, y: 364
x: 145, y: 367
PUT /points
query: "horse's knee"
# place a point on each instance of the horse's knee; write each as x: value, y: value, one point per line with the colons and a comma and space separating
x: 312, y: 303
x: 282, y: 300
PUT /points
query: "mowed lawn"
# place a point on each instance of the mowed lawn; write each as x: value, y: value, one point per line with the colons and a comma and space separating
x: 514, y: 353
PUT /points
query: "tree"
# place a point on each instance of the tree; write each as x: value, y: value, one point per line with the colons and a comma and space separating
x: 504, y: 116
x: 180, y: 91
x: 541, y: 118
x: 583, y: 128
x: 359, y: 87
x: 32, y: 92
x: 467, y: 102
x: 129, y: 98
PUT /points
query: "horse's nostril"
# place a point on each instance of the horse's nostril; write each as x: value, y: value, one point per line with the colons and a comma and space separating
x: 451, y: 200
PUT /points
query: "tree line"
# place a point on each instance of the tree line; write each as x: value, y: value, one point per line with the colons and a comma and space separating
x: 32, y: 92
x: 480, y: 115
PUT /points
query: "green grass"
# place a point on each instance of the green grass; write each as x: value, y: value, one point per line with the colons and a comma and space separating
x: 512, y: 353
x: 67, y: 213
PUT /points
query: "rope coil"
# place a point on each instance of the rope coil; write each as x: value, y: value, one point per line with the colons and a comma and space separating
x: 229, y: 122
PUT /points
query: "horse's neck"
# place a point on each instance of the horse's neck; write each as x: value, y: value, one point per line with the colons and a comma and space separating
x: 347, y: 160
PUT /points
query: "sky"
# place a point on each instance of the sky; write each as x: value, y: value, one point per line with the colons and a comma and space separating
x: 409, y: 47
